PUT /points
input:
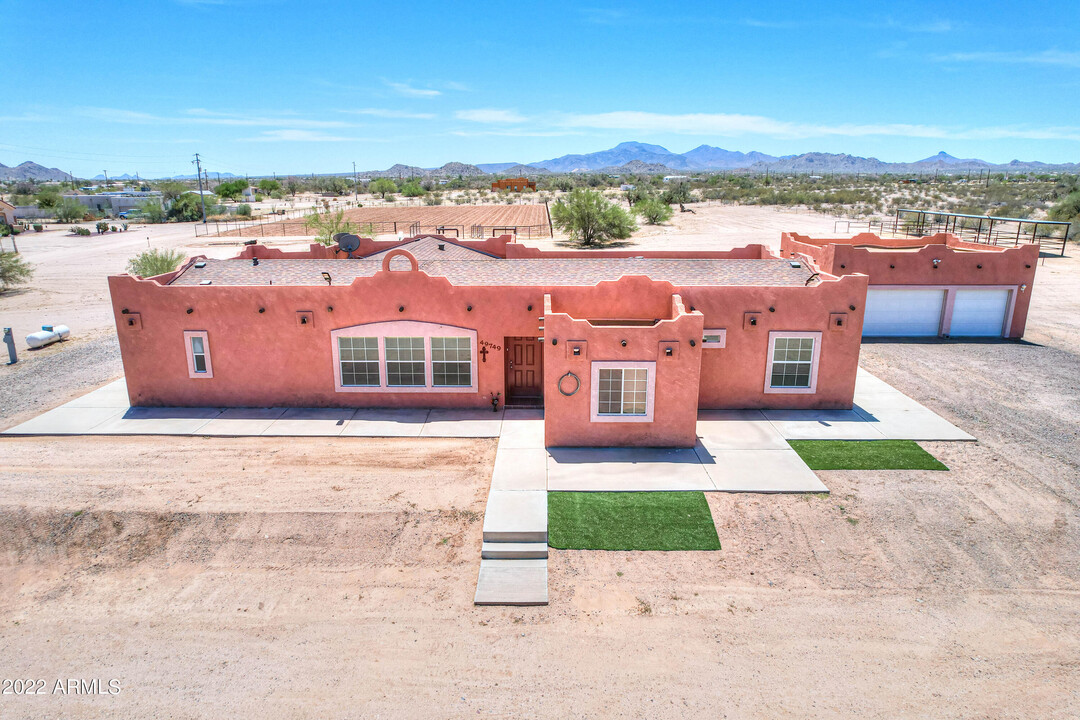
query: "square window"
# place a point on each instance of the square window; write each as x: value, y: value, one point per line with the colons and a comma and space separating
x: 792, y: 368
x: 451, y: 361
x: 405, y: 362
x: 359, y: 361
x: 623, y: 391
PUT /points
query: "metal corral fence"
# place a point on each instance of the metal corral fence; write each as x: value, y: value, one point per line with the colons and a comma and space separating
x: 1049, y: 235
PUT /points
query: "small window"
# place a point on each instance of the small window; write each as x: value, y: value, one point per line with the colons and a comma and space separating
x: 359, y: 361
x: 714, y: 338
x: 793, y: 362
x: 198, y: 354
x: 451, y: 361
x: 405, y: 362
x: 623, y: 391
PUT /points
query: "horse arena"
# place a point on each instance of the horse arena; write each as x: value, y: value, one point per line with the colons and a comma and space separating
x: 462, y: 221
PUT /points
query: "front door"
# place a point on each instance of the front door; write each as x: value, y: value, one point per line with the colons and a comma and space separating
x: 524, y: 370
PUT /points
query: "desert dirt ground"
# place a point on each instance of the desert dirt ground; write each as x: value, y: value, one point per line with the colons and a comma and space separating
x: 334, y: 577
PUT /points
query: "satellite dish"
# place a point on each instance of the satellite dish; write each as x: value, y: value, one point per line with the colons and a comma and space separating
x: 347, y: 242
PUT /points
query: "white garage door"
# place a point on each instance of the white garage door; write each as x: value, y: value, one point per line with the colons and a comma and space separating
x: 902, y: 313
x: 979, y: 312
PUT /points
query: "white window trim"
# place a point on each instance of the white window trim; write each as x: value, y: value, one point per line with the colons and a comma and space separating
x: 722, y: 332
x: 773, y: 336
x: 190, y: 352
x: 650, y: 390
x: 403, y: 328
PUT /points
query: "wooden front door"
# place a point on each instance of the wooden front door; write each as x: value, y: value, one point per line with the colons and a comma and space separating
x: 524, y: 369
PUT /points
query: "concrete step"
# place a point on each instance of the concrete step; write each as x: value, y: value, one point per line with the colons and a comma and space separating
x: 512, y: 582
x: 514, y: 551
x: 516, y: 516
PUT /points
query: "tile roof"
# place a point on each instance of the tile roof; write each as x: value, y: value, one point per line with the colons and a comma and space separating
x: 536, y: 272
x: 428, y: 248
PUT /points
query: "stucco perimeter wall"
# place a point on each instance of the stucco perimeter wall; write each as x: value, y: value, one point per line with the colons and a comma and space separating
x: 573, y: 347
x: 959, y: 264
x: 733, y: 377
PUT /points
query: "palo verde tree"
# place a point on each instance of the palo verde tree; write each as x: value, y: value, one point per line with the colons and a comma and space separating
x: 328, y: 224
x: 14, y: 270
x: 653, y: 210
x: 383, y: 187
x: 69, y: 210
x: 587, y: 218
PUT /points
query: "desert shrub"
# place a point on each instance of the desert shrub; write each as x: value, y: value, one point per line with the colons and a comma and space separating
x: 14, y: 270
x: 244, y: 210
x: 382, y: 187
x: 328, y: 224
x: 38, y: 227
x: 155, y: 262
x: 653, y: 210
x: 586, y: 217
x: 102, y: 227
x: 69, y: 210
x: 84, y: 232
x: 412, y: 189
x: 677, y: 193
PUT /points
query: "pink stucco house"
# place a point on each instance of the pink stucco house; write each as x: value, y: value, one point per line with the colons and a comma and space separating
x: 619, y: 347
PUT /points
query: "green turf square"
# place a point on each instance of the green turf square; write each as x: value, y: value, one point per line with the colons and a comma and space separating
x: 630, y: 521
x: 865, y: 455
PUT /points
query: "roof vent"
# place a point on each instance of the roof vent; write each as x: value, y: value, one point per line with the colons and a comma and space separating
x: 200, y: 264
x: 795, y: 263
x: 442, y: 246
x: 205, y: 282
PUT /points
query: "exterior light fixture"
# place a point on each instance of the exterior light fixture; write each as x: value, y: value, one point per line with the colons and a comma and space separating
x: 667, y: 351
x: 262, y: 310
x: 772, y: 309
x: 851, y: 308
x: 329, y: 308
x: 469, y: 308
x: 254, y: 262
x: 554, y: 341
x: 936, y: 261
x: 623, y: 343
x: 326, y: 277
x: 693, y: 343
x: 401, y: 308
x: 190, y: 310
x: 1023, y: 287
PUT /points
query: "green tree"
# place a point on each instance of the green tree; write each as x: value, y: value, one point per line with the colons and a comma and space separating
x: 1069, y: 211
x: 13, y: 270
x: 187, y: 208
x: 412, y: 189
x: 231, y: 190
x: 677, y: 193
x: 155, y: 262
x: 151, y: 211
x: 292, y: 186
x: 653, y: 210
x: 328, y: 224
x: 587, y: 218
x: 171, y: 189
x: 269, y: 186
x: 48, y: 197
x: 383, y: 187
x: 69, y: 210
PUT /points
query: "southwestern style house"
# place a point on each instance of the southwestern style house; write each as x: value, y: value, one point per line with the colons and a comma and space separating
x: 619, y: 347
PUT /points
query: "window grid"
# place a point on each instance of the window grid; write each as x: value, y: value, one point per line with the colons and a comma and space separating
x: 793, y: 361
x: 623, y: 391
x: 198, y: 354
x: 405, y: 362
x: 359, y: 361
x: 451, y: 362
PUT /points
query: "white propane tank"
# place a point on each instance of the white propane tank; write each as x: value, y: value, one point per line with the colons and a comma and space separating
x: 48, y: 335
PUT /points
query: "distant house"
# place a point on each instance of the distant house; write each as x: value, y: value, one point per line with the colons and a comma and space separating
x: 627, y: 186
x: 518, y: 184
x: 251, y: 192
x: 7, y: 213
x: 675, y: 178
x: 117, y: 201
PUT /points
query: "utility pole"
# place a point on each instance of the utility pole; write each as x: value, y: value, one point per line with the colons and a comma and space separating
x: 107, y: 177
x: 219, y: 178
x: 198, y: 174
x: 355, y: 184
x: 72, y: 176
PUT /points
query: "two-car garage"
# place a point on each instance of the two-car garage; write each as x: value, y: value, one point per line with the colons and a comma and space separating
x: 929, y: 312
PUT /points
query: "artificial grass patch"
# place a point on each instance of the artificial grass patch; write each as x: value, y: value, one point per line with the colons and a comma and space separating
x: 630, y: 521
x: 865, y: 455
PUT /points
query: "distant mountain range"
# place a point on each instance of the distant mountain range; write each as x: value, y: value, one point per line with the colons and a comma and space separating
x: 639, y: 158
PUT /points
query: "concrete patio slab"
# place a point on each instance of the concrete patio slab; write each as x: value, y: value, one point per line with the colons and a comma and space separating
x: 914, y: 425
x: 867, y: 383
x: 66, y: 420
x: 463, y: 423
x: 242, y: 422
x: 113, y: 395
x: 887, y: 401
x: 520, y: 431
x: 512, y: 582
x: 157, y: 421
x: 631, y: 469
x: 822, y: 425
x: 519, y: 469
x: 513, y: 551
x: 386, y: 422
x: 759, y: 471
x: 516, y: 516
x: 734, y: 433
x: 310, y: 422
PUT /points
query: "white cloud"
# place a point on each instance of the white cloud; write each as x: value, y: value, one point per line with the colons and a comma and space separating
x: 201, y: 116
x: 410, y: 91
x: 292, y: 135
x: 490, y: 115
x: 734, y: 125
x: 394, y: 114
x: 1045, y: 57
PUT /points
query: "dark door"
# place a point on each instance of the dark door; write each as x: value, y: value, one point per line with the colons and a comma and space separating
x: 524, y: 369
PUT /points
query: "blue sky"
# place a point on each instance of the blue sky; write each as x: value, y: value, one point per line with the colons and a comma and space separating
x: 274, y: 86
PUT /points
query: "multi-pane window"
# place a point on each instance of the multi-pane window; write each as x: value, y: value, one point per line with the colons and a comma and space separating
x: 623, y: 391
x: 198, y: 354
x: 359, y: 359
x: 405, y: 361
x: 793, y: 362
x: 451, y: 361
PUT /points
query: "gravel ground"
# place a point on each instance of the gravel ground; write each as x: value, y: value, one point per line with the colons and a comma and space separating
x: 55, y: 374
